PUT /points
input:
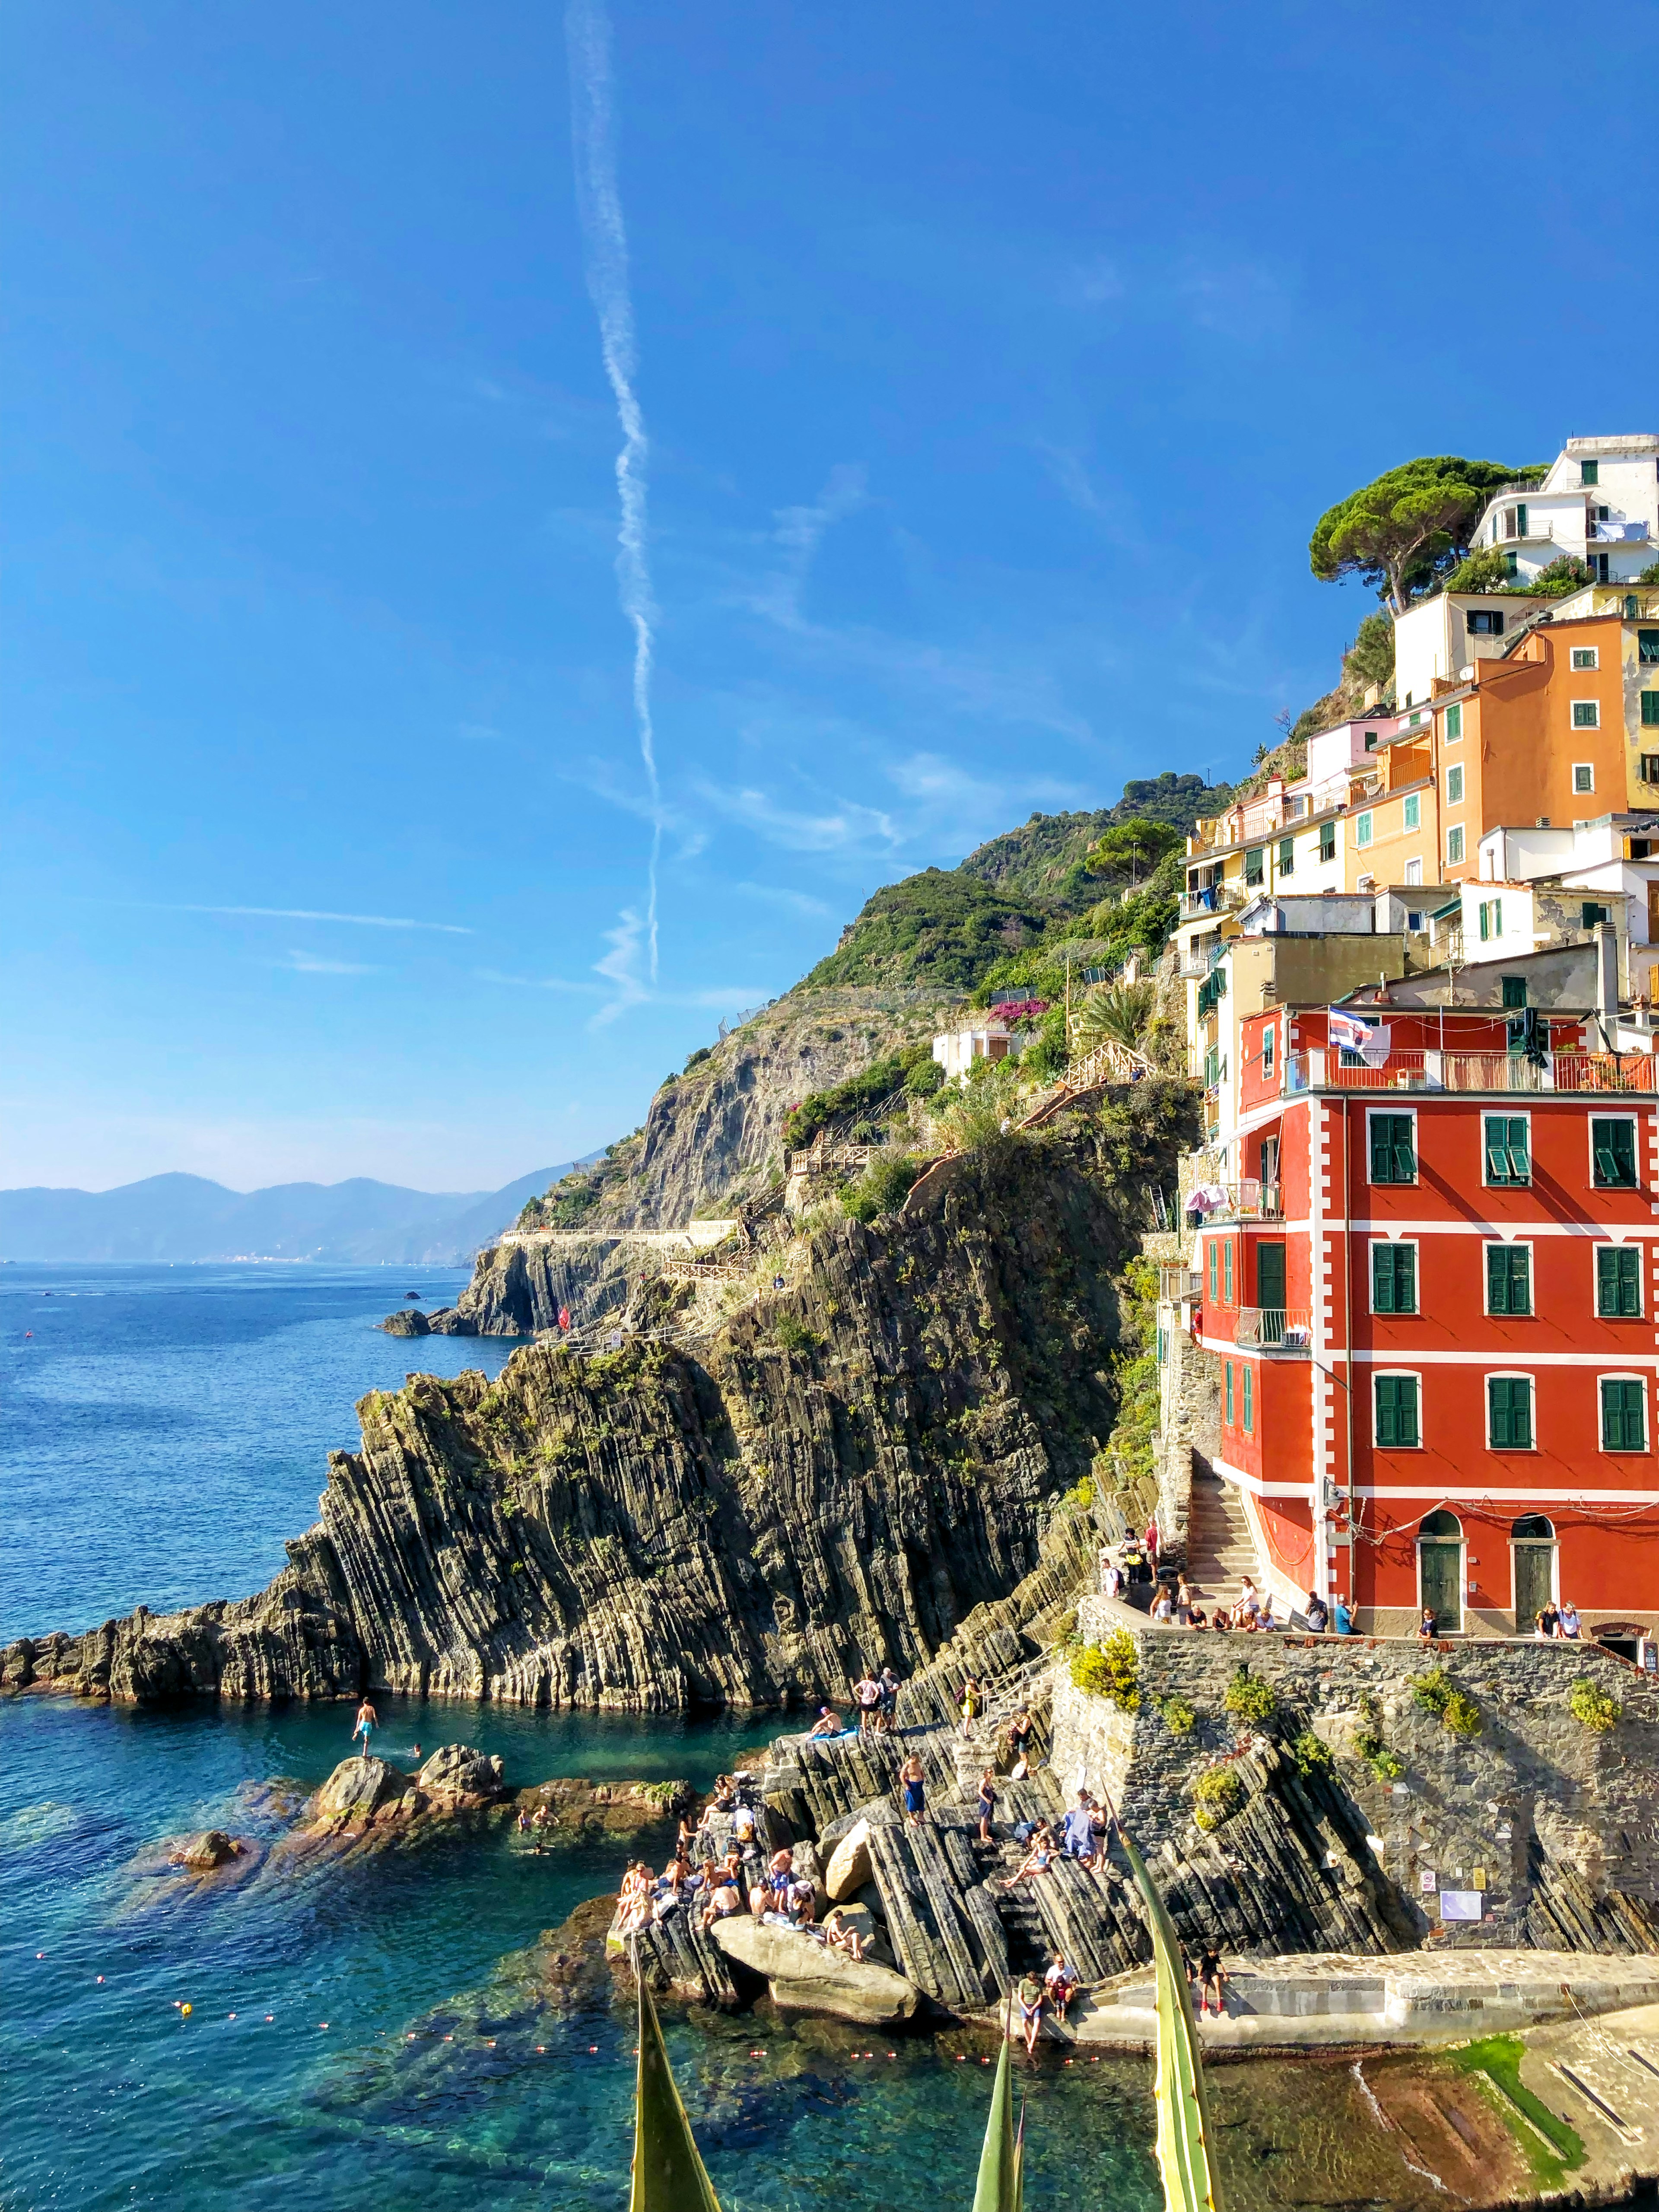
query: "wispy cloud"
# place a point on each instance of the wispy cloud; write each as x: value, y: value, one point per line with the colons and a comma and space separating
x: 624, y: 986
x: 620, y: 967
x: 798, y: 533
x: 309, y: 914
x: 843, y: 825
x: 793, y: 901
x: 587, y: 39
x: 307, y: 963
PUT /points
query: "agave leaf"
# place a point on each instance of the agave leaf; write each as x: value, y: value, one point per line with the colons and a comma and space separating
x: 668, y: 2174
x: 999, y: 2162
x: 1020, y: 2160
x: 1183, y: 2115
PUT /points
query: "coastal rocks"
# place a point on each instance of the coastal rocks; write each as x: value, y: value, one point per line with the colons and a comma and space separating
x: 205, y: 1853
x: 678, y: 1957
x: 362, y: 1793
x: 804, y: 1975
x: 407, y: 1320
x: 369, y: 1799
x: 850, y: 1864
x: 576, y: 1808
x: 457, y: 1775
x: 443, y: 1320
x: 838, y: 1477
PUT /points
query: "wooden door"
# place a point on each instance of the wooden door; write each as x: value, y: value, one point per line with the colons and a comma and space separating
x: 1535, y: 1584
x: 1440, y: 1570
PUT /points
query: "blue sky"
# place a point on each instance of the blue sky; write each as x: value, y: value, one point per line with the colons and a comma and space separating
x: 994, y: 364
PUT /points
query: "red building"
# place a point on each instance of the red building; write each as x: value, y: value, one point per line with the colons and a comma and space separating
x: 1431, y: 1293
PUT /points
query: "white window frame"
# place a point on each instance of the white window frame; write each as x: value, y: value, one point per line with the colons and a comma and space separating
x: 1584, y: 656
x: 1370, y: 1286
x: 1526, y: 1117
x: 1635, y: 1189
x: 1621, y: 1375
x: 1594, y: 722
x: 1414, y: 870
x: 1584, y: 779
x: 1489, y: 1374
x: 1269, y: 1049
x: 1394, y: 1114
x: 1615, y: 1244
x: 1454, y: 784
x: 1454, y: 838
x: 1411, y: 810
x: 1363, y: 826
x: 1453, y: 737
x: 1407, y: 1375
x: 1506, y: 1242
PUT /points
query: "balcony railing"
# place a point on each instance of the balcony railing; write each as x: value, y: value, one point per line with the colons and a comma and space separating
x: 1248, y: 1200
x: 1275, y: 1329
x: 1475, y: 1070
x: 1176, y: 1285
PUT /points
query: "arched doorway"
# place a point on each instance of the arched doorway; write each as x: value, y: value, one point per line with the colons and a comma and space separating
x: 1532, y: 1540
x: 1440, y: 1569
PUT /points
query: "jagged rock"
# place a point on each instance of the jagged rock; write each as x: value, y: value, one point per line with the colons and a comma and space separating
x: 806, y: 1976
x: 451, y: 1321
x: 456, y: 1772
x: 677, y: 1955
x: 608, y: 1808
x: 202, y: 1854
x: 364, y: 1790
x: 849, y: 1864
x: 407, y: 1320
x: 648, y: 1530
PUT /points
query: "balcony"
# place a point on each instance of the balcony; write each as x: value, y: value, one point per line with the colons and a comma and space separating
x: 1285, y: 1330
x: 1177, y: 1285
x: 1597, y: 1072
x: 1248, y: 1200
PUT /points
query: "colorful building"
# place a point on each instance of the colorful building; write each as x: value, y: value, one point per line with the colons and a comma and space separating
x: 1426, y: 1277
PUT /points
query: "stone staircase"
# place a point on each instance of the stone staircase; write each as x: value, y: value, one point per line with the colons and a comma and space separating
x: 1220, y: 1548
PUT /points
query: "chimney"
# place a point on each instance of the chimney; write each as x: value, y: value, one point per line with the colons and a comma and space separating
x: 1606, y: 981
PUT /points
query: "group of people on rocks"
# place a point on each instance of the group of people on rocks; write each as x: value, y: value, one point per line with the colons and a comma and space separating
x: 1181, y: 1605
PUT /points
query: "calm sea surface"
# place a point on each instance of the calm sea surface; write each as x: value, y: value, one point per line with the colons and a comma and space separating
x: 165, y: 1429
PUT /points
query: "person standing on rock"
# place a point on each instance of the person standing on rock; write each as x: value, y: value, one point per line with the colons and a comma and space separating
x: 987, y: 1804
x: 915, y: 1793
x: 367, y: 1720
x: 1019, y: 1739
x: 867, y: 1696
x: 1210, y: 1976
x: 890, y: 1690
x: 972, y: 1699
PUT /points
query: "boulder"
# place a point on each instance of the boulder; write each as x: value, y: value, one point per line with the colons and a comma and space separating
x: 406, y: 1322
x: 202, y: 1854
x: 363, y: 1789
x: 450, y: 1320
x: 849, y: 1866
x: 455, y: 1771
x: 869, y: 1932
x: 806, y: 1976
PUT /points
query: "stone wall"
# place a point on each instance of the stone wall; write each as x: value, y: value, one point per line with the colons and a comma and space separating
x: 1556, y: 1825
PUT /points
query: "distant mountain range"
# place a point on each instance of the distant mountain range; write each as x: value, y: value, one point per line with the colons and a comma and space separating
x: 184, y: 1217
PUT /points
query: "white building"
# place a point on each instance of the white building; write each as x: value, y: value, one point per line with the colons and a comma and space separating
x: 957, y: 1050
x: 1599, y: 503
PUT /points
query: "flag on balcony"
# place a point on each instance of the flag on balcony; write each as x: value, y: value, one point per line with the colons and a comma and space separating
x: 1347, y: 1030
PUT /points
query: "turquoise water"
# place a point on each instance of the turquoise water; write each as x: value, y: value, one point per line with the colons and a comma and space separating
x: 166, y: 1430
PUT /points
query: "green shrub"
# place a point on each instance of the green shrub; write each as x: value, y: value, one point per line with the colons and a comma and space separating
x: 1217, y: 1795
x: 1590, y: 1704
x: 793, y: 1335
x: 1387, y: 1766
x: 1110, y: 1670
x: 882, y: 1188
x: 1433, y: 1691
x: 1462, y: 1715
x: 924, y: 1078
x: 1310, y: 1754
x: 1249, y: 1698
x: 1178, y: 1715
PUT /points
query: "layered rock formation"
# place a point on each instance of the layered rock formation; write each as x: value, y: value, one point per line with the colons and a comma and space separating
x: 840, y: 1477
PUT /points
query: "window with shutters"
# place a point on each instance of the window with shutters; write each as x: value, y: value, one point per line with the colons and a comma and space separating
x: 1254, y: 861
x: 1411, y: 813
x: 1612, y: 1150
x: 1327, y: 840
x: 1623, y: 1415
x: 1650, y: 718
x: 1454, y: 717
x: 1506, y: 1141
x: 1589, y: 472
x: 1247, y: 1376
x: 1394, y: 1399
x: 1508, y: 1412
x: 1647, y: 647
x: 1455, y: 786
x: 1586, y: 656
x: 1512, y: 992
x: 1362, y: 830
x: 1393, y: 1277
x: 1227, y: 1386
x: 1268, y: 1038
x: 1618, y: 1281
x: 1508, y: 1279
x: 1455, y: 848
x: 1592, y: 911
x: 1214, y: 1247
x: 1394, y: 1148
x: 1227, y: 1273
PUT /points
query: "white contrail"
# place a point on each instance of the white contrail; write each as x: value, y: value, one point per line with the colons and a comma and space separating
x: 587, y: 41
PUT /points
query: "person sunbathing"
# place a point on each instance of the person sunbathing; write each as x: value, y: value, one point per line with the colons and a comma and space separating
x: 1038, y: 1859
x: 840, y: 1937
x: 827, y: 1723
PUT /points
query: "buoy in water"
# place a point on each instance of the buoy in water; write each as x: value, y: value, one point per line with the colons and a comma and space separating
x: 185, y: 2011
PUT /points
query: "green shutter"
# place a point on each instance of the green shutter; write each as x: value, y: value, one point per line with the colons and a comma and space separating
x: 1394, y: 1156
x: 1650, y: 709
x: 1618, y: 1281
x: 1229, y: 1366
x: 1614, y: 1145
x: 1397, y: 1409
x: 1212, y: 1269
x: 1509, y: 1401
x: 1394, y: 1278
x: 1287, y: 856
x: 1253, y: 865
x: 1647, y: 646
x: 1621, y: 1417
x: 1328, y: 840
x: 1249, y: 1399
x: 1382, y: 1278
x: 1227, y: 1273
x: 1454, y: 719
x: 1507, y: 1157
x: 1508, y: 1279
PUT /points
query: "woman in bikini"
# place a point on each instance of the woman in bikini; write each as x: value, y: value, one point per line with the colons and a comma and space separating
x: 1039, y: 1858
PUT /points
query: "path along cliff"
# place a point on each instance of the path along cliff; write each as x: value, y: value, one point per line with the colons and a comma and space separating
x: 835, y: 1476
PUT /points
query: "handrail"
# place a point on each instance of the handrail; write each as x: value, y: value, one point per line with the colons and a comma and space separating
x: 1275, y: 1329
x: 1576, y: 1072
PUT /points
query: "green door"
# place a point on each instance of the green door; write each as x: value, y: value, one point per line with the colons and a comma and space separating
x: 1270, y: 1290
x: 1535, y: 1584
x: 1441, y: 1569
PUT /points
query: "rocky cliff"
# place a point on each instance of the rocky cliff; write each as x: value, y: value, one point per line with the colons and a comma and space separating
x: 840, y: 1474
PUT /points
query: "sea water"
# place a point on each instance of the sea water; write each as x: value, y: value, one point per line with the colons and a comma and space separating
x: 354, y: 2036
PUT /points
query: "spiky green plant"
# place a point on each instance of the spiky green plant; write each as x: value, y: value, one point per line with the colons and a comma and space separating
x: 1183, y: 2117
x: 1115, y: 1014
x: 999, y: 2162
x: 669, y: 2175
